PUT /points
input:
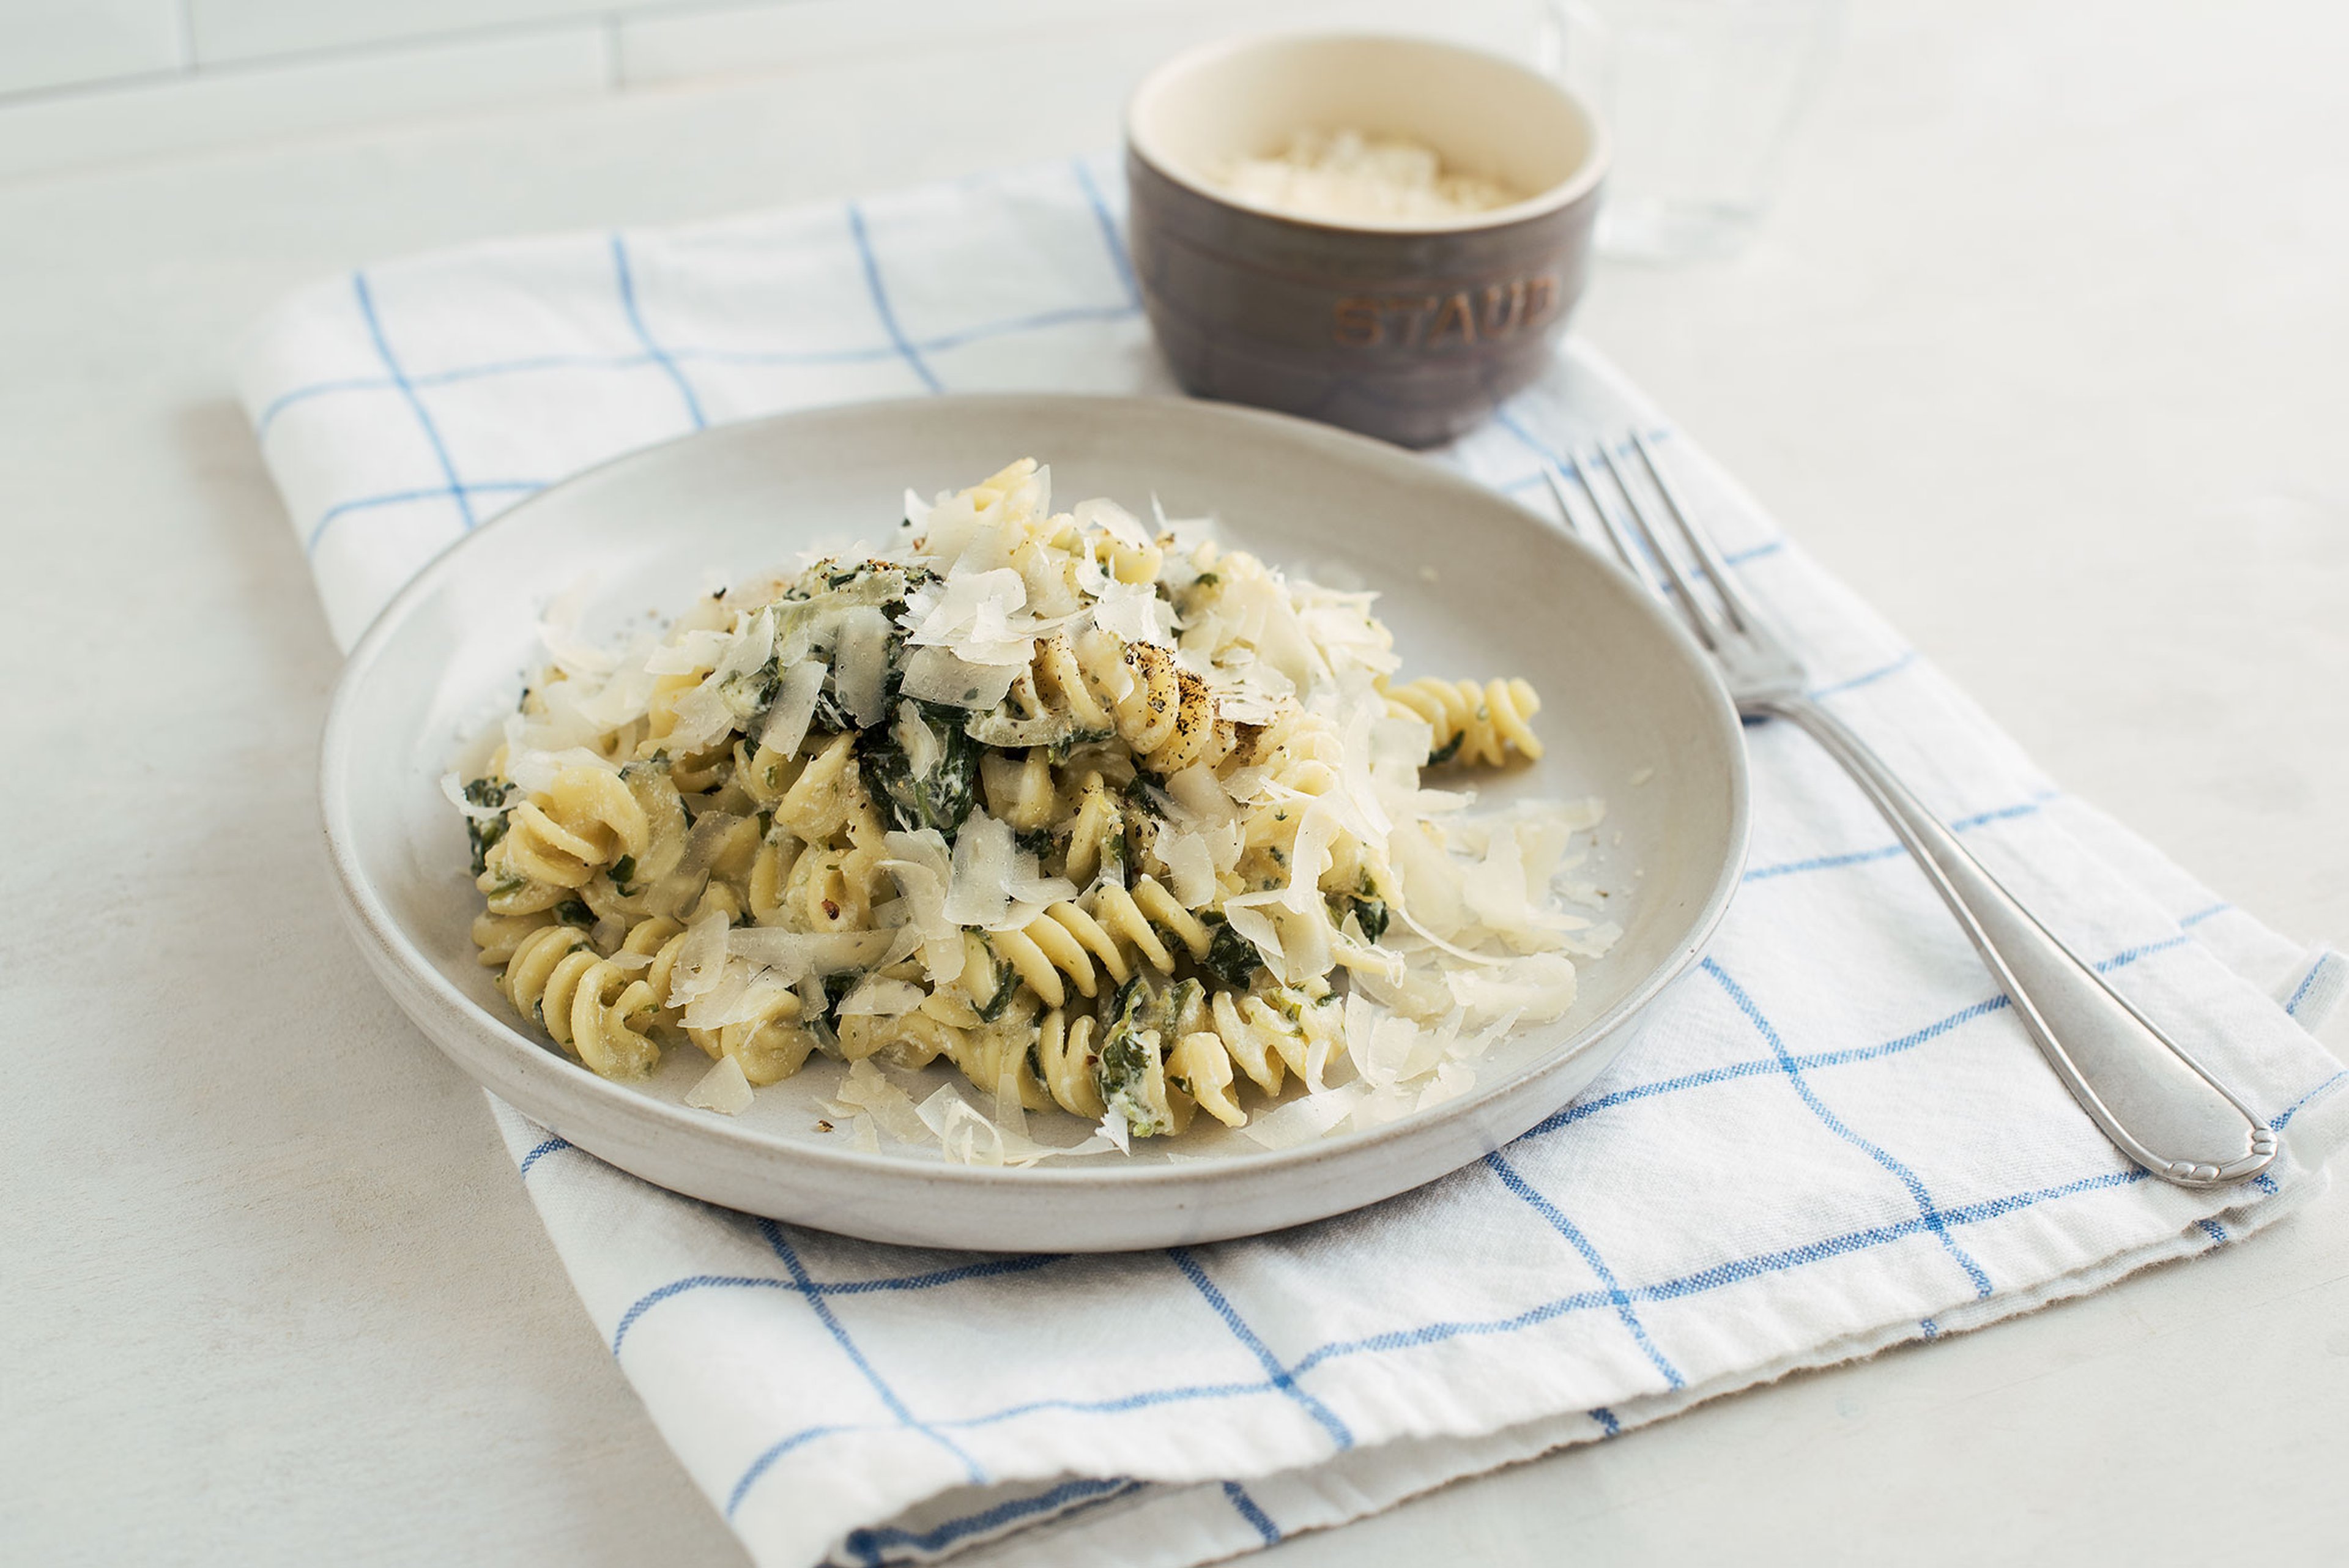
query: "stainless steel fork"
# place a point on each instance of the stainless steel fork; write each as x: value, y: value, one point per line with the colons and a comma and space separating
x: 2162, y: 1108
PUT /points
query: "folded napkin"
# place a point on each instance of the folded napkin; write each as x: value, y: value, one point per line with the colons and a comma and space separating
x: 1830, y: 1138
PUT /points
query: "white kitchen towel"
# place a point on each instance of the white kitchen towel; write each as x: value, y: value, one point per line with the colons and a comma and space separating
x: 1830, y: 1138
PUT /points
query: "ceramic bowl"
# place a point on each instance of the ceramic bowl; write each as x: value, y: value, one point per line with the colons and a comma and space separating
x: 1631, y: 710
x: 1409, y: 331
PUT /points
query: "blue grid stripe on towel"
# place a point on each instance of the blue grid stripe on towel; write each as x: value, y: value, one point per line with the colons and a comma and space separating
x: 1835, y: 1125
x: 949, y: 1368
x: 455, y: 486
x: 1715, y: 1277
x: 881, y: 306
x: 653, y: 350
x: 805, y: 1286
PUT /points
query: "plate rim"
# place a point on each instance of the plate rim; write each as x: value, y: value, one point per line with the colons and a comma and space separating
x: 394, y: 959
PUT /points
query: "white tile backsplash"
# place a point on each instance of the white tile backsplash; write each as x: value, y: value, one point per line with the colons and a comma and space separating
x: 687, y: 42
x: 87, y: 82
x: 58, y: 43
x: 202, y: 109
x: 724, y: 40
x: 227, y: 30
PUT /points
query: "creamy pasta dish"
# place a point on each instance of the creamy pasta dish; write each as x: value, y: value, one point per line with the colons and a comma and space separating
x: 1115, y: 821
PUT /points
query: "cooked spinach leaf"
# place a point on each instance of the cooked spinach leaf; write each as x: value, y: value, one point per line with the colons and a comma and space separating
x: 1122, y: 1073
x: 485, y: 832
x: 1231, y: 958
x: 943, y: 797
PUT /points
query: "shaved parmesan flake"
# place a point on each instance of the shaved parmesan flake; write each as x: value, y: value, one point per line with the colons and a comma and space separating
x: 1464, y: 954
x: 939, y: 675
x: 722, y: 1089
x: 1308, y: 859
x: 973, y: 619
x: 535, y: 771
x: 691, y: 652
x: 877, y: 998
x: 1538, y: 988
x: 1033, y: 893
x: 1190, y: 868
x: 1115, y: 1130
x: 730, y: 693
x: 971, y: 1138
x: 1134, y: 612
x: 1449, y: 1082
x: 794, y: 708
x: 1113, y: 520
x: 742, y: 995
x: 1301, y: 1121
x: 1595, y: 942
x: 1010, y: 1114
x: 860, y: 668
x: 791, y: 955
x: 920, y: 866
x: 626, y: 693
x: 1259, y: 928
x: 916, y: 739
x: 891, y: 1108
x: 558, y: 630
x: 978, y: 890
x: 700, y: 961
x: 710, y: 831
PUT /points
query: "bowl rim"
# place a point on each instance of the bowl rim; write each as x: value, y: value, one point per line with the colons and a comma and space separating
x: 521, y: 1059
x: 1583, y: 181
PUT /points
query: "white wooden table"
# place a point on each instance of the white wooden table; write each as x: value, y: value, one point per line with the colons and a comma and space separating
x: 2043, y: 352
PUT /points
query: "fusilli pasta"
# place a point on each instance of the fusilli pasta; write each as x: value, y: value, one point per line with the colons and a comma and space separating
x: 1115, y: 821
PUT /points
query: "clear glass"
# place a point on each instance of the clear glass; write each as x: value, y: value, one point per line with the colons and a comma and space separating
x: 1701, y: 97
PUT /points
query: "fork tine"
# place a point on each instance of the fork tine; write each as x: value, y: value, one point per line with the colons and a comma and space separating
x: 1578, y: 465
x: 1708, y: 623
x: 1741, y: 612
x: 1574, y: 523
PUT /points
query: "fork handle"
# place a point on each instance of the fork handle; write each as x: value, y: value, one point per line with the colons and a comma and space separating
x: 2151, y: 1099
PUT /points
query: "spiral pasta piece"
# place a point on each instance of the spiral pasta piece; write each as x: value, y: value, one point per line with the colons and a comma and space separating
x: 823, y: 893
x: 1165, y: 714
x: 1097, y: 835
x: 1066, y: 1062
x: 589, y: 1005
x: 820, y: 800
x: 1066, y: 942
x: 555, y: 843
x: 1132, y: 563
x: 1202, y: 1068
x: 1020, y: 792
x: 498, y: 936
x: 770, y: 1047
x: 768, y: 891
x: 912, y: 1040
x: 997, y: 1059
x: 1476, y: 724
x: 1262, y: 1043
x: 1060, y: 680
x: 696, y: 771
x: 1165, y: 911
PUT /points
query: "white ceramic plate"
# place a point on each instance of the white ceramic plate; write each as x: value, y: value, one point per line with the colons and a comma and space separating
x: 1471, y: 584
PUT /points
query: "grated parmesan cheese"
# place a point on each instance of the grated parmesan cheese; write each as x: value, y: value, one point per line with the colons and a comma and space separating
x: 1344, y: 176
